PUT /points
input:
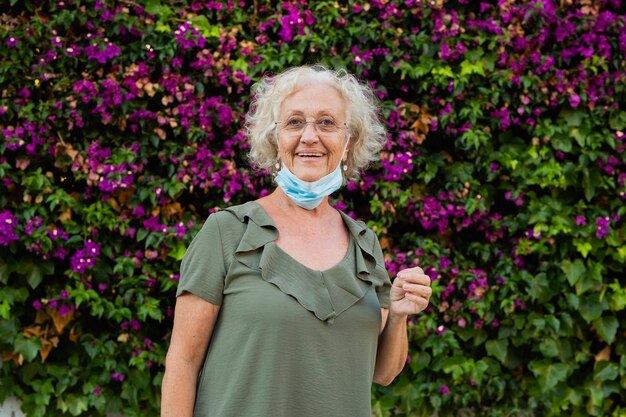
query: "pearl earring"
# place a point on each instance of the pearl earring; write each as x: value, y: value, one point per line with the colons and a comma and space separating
x: 345, y: 167
x: 277, y: 165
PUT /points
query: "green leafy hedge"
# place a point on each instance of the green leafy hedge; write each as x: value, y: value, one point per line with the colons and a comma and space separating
x: 504, y: 178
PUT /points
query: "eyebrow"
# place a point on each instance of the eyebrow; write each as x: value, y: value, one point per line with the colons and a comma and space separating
x: 324, y: 112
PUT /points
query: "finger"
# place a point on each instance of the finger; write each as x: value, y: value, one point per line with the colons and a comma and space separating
x: 414, y: 270
x: 421, y: 302
x: 420, y: 279
x: 421, y: 290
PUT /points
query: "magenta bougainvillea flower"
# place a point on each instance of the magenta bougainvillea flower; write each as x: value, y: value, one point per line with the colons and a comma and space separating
x: 8, y: 224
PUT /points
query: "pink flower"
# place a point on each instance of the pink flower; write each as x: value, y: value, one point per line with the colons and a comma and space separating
x: 574, y: 100
x: 116, y: 376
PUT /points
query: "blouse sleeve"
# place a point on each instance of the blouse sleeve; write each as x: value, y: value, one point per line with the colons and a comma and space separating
x: 203, y: 267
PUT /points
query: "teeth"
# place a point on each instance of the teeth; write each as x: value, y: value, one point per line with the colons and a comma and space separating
x: 309, y: 154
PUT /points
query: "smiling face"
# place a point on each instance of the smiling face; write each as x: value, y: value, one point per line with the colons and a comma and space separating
x: 315, y: 152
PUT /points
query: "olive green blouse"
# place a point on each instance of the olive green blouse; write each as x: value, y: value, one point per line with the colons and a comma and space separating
x: 289, y: 341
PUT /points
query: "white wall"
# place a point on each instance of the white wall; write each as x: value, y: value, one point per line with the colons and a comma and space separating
x: 11, y: 408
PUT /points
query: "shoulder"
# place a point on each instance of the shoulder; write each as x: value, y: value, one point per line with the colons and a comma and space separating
x: 358, y: 228
x: 247, y: 211
x: 232, y: 216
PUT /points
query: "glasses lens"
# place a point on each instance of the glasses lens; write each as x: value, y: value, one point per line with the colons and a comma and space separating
x: 323, y: 125
x: 293, y: 125
x: 326, y: 125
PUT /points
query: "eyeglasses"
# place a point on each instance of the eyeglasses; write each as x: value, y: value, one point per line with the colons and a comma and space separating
x: 323, y: 125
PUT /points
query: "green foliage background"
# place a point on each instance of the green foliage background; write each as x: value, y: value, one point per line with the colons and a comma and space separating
x: 504, y: 178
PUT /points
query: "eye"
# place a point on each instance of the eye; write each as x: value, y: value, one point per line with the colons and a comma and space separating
x: 326, y: 123
x: 294, y: 123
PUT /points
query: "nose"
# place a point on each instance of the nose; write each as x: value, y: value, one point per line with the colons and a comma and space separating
x: 309, y: 134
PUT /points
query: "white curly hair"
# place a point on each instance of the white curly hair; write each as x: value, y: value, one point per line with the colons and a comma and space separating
x: 367, y: 133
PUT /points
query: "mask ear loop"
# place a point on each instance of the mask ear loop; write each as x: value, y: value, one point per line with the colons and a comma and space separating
x: 278, y: 164
x: 345, y: 148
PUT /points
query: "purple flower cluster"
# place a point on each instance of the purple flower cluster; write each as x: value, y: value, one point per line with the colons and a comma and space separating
x: 446, y: 24
x: 102, y: 52
x: 602, y: 227
x: 397, y: 165
x: 117, y: 376
x: 58, y: 233
x: 85, y: 258
x: 133, y: 324
x: 364, y: 57
x: 518, y: 199
x: 32, y: 225
x: 620, y: 137
x: 189, y: 37
x: 294, y: 21
x: 152, y: 224
x: 29, y: 135
x: 8, y: 223
x: 437, y: 212
x: 105, y: 176
x: 609, y: 165
x: 478, y: 286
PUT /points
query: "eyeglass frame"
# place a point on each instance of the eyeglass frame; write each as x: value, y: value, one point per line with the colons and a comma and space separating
x: 315, y: 124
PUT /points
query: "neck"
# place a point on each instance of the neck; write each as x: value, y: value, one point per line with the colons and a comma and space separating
x: 285, y: 203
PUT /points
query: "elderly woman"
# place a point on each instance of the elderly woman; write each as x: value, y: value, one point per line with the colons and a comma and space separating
x: 284, y: 305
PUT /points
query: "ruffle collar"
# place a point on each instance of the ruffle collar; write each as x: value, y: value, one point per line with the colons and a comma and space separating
x: 327, y: 293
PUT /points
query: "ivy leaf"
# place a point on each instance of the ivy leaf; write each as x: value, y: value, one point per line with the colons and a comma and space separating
x: 208, y: 30
x: 605, y: 371
x: 572, y: 117
x: 606, y: 327
x: 580, y: 138
x: 621, y: 253
x: 4, y: 271
x: 34, y: 275
x: 591, y: 308
x: 549, y: 374
x: 498, y: 348
x: 583, y: 247
x: 178, y: 252
x: 27, y: 347
x: 420, y: 361
x: 155, y: 7
x: 77, y: 404
x: 617, y: 299
x: 591, y: 178
x: 617, y: 121
x: 562, y: 143
x: 468, y: 67
x: 573, y: 270
x: 549, y: 348
x: 8, y: 329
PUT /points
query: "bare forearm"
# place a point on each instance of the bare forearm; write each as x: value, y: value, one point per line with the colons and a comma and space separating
x: 178, y: 392
x: 393, y: 348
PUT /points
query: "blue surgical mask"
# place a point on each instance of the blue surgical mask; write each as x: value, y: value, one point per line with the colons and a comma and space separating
x: 306, y: 194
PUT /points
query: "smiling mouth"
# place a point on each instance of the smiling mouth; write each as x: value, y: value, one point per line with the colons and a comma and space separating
x: 309, y: 154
